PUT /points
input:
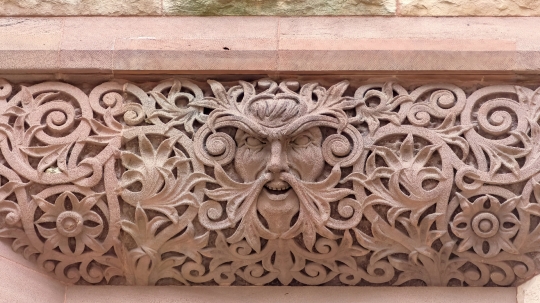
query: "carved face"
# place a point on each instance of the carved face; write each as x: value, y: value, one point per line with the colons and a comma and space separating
x: 299, y: 156
x: 279, y: 153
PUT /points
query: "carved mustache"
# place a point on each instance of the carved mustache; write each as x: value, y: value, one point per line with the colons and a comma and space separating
x: 281, y: 182
x: 277, y: 185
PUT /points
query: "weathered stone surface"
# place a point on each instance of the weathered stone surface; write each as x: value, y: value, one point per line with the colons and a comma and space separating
x: 469, y: 8
x: 79, y: 7
x: 271, y: 8
x: 529, y: 292
x: 284, y: 8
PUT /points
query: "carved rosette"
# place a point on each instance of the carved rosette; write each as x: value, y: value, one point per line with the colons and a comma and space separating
x: 272, y: 183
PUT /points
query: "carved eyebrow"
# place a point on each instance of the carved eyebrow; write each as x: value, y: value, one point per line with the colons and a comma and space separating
x: 247, y: 134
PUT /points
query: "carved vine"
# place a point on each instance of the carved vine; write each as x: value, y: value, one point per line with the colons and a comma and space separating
x: 272, y: 183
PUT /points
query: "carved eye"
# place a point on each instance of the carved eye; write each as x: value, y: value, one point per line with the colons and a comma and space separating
x: 253, y: 142
x: 302, y: 140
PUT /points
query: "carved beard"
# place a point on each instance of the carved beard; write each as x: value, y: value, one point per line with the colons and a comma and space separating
x: 302, y: 196
x: 281, y: 173
x: 278, y: 207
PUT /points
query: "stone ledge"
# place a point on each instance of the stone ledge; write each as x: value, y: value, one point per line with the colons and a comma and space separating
x: 54, y: 292
x: 110, y: 45
x: 85, y: 294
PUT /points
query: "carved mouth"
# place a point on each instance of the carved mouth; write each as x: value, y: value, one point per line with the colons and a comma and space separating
x: 277, y: 190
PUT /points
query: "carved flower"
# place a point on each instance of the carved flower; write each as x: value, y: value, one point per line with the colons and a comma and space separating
x: 179, y: 107
x: 384, y: 110
x: 486, y: 225
x: 406, y: 172
x: 78, y: 222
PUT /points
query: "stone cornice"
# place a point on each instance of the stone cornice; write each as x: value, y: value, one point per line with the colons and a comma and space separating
x: 268, y: 44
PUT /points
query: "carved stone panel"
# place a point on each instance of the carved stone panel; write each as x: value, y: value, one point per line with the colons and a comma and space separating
x: 268, y: 183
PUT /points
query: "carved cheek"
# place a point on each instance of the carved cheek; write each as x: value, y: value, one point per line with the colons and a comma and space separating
x: 250, y: 163
x: 308, y: 161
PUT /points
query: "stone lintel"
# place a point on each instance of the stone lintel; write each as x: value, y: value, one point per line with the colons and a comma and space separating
x: 110, y: 45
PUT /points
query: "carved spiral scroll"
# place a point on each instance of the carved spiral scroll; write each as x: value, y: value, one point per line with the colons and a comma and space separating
x: 338, y: 149
x: 214, y: 147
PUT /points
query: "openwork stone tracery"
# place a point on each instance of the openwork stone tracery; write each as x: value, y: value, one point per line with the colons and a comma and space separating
x: 272, y: 183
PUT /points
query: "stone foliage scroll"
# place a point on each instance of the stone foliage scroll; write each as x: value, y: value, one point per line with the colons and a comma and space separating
x: 268, y: 183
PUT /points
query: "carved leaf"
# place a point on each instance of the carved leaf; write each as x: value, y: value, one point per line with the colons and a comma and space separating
x: 451, y: 134
x: 502, y: 155
x: 239, y: 196
x: 49, y: 155
x: 142, y: 230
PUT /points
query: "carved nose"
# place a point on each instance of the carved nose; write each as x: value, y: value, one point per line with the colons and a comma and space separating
x: 278, y: 159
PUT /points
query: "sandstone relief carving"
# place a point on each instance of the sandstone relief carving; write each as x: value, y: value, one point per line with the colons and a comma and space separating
x: 272, y: 183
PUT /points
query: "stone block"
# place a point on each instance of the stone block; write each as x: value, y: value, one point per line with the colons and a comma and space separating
x: 29, y: 42
x: 529, y: 292
x: 7, y: 252
x: 76, y: 7
x: 205, y: 54
x: 279, y: 8
x: 23, y: 285
x: 469, y: 8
